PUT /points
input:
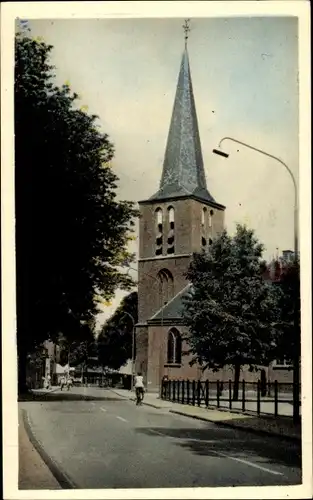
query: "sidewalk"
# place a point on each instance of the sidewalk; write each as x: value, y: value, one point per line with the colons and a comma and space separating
x: 31, y: 395
x: 267, y: 425
x: 33, y: 472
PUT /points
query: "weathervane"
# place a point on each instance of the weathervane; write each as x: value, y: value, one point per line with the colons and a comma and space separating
x: 186, y: 29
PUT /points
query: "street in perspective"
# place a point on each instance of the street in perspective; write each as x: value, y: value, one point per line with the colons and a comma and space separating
x: 99, y: 438
x: 157, y: 253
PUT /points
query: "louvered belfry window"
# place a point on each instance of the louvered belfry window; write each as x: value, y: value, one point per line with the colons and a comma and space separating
x: 171, y: 231
x: 204, y: 227
x: 159, y: 232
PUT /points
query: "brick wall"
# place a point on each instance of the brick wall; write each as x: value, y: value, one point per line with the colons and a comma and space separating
x: 149, y: 297
x: 157, y: 365
x: 141, y: 351
x: 188, y: 213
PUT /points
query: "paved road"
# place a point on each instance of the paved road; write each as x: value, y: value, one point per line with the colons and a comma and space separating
x: 111, y: 443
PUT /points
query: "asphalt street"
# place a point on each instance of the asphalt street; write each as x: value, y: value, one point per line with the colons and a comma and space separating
x: 111, y: 443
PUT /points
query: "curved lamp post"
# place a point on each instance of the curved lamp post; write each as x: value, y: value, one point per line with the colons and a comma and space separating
x: 296, y: 366
x: 133, y: 345
x: 220, y: 152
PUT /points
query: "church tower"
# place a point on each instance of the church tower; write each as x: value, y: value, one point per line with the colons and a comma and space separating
x: 182, y: 217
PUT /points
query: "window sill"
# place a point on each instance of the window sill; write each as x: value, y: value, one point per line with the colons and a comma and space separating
x: 172, y: 365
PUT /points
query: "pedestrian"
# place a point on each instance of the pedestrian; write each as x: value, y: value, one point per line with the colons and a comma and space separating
x: 164, y: 385
x: 62, y: 382
x: 48, y: 382
x: 69, y: 382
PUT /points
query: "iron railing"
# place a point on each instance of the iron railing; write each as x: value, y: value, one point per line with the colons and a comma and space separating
x: 271, y: 398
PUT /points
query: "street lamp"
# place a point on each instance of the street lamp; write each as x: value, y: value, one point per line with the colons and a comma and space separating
x: 133, y: 346
x: 222, y: 153
x: 296, y: 367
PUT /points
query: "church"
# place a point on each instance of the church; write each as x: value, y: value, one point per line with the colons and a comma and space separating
x: 182, y: 217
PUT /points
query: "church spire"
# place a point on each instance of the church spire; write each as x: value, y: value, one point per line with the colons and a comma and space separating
x: 186, y: 28
x: 183, y: 170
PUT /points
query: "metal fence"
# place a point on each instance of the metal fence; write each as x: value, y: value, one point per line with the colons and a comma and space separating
x: 272, y: 398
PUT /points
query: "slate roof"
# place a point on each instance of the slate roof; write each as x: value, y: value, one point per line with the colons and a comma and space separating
x: 183, y: 170
x: 173, y: 309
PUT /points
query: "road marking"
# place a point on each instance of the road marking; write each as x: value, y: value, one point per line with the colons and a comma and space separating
x: 93, y: 404
x: 221, y: 454
x: 102, y: 409
x: 246, y: 462
x: 121, y: 418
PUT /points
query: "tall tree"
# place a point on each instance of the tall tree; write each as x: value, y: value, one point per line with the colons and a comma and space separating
x: 231, y: 311
x: 115, y: 339
x: 71, y: 231
x: 289, y: 282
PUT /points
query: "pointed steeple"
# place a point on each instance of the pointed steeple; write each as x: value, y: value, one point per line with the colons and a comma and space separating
x: 183, y: 170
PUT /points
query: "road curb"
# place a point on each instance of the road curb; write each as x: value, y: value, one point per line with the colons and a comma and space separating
x: 144, y: 402
x: 55, y: 470
x: 241, y: 428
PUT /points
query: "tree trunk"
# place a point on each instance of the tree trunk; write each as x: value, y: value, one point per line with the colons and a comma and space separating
x: 236, y: 382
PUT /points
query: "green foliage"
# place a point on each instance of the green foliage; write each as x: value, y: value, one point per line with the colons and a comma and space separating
x: 231, y: 311
x: 115, y: 338
x: 71, y: 231
x: 289, y: 343
x: 78, y: 352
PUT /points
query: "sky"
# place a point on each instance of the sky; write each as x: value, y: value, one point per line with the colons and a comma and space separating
x: 245, y: 80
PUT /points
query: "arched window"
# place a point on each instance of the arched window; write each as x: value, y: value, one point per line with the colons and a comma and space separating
x: 166, y: 286
x: 211, y: 213
x: 171, y: 216
x: 203, y: 216
x: 159, y: 216
x: 171, y: 234
x: 174, y: 347
x: 159, y: 231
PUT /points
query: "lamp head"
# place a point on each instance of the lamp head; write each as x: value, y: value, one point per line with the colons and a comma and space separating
x: 219, y: 152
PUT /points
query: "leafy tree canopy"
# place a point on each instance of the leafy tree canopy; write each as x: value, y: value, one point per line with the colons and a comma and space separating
x: 72, y: 232
x: 289, y: 343
x: 231, y: 311
x: 115, y: 338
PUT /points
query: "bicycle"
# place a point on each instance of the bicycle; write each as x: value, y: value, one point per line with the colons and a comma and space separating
x: 139, y: 396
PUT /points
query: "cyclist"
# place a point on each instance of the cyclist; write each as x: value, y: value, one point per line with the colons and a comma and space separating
x: 140, y: 388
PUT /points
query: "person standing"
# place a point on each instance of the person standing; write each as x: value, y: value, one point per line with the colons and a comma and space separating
x: 62, y: 382
x: 69, y: 382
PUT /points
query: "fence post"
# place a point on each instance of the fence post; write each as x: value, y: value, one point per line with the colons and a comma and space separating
x: 188, y: 395
x: 230, y: 394
x: 258, y: 398
x: 199, y: 393
x: 206, y: 393
x: 183, y: 392
x: 243, y: 396
x: 218, y: 393
x: 276, y: 398
x: 193, y: 393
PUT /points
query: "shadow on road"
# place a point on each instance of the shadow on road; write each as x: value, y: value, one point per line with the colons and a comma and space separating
x: 232, y: 442
x: 64, y: 396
